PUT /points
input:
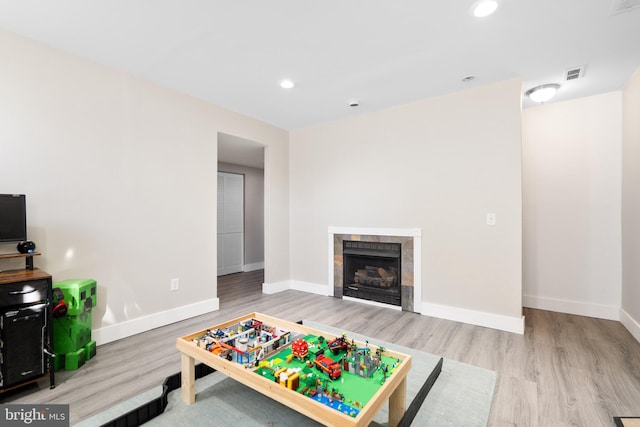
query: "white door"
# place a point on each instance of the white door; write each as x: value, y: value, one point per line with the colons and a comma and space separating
x: 230, y: 223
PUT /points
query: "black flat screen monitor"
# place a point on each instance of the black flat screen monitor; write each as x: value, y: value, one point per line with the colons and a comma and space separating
x: 13, y: 218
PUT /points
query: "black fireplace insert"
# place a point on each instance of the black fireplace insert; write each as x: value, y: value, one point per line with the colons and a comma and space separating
x: 372, y: 271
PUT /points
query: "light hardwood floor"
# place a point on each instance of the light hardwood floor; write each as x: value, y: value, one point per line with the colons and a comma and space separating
x: 564, y: 371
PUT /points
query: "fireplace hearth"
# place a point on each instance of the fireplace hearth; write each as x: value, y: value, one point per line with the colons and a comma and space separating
x: 372, y: 271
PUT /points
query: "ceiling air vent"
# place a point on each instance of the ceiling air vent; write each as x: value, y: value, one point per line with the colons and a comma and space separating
x: 620, y: 6
x: 574, y: 73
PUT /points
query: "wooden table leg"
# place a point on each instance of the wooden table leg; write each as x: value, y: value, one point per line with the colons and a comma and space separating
x: 188, y: 379
x: 398, y: 403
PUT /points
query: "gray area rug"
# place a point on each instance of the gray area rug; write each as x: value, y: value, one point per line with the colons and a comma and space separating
x: 461, y: 397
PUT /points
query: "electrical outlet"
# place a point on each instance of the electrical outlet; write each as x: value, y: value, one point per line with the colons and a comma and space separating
x: 491, y: 218
x: 175, y: 284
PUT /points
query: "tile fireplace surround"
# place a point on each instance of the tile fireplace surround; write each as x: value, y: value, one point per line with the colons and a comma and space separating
x: 409, y: 238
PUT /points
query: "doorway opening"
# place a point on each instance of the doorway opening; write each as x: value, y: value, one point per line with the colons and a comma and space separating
x: 241, y: 157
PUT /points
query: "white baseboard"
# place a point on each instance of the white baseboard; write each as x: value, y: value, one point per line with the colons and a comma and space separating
x: 230, y: 270
x: 254, y: 266
x: 630, y: 323
x: 312, y: 288
x: 127, y: 328
x: 599, y: 311
x: 478, y: 318
x: 273, y: 288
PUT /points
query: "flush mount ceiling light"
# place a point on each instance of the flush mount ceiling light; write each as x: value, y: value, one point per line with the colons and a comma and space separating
x: 483, y: 8
x: 542, y: 93
x: 287, y: 84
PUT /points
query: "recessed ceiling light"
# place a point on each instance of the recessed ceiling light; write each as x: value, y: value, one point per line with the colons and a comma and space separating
x: 286, y: 84
x: 483, y: 8
x: 542, y: 93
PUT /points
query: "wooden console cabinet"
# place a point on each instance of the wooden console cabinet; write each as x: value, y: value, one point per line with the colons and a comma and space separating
x: 26, y: 330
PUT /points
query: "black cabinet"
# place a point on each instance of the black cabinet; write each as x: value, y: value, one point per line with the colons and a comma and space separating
x: 26, y: 335
x: 23, y: 334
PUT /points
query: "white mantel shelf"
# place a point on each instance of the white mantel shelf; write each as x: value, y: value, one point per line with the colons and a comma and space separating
x: 368, y: 231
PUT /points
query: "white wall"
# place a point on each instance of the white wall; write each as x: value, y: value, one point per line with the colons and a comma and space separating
x: 571, y: 206
x: 119, y: 183
x: 440, y: 165
x: 630, y: 313
x: 253, y: 213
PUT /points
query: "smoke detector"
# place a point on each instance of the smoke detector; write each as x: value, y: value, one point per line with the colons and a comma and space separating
x: 574, y: 73
x: 621, y: 6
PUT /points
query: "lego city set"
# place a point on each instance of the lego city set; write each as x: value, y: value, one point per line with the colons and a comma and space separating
x: 340, y: 373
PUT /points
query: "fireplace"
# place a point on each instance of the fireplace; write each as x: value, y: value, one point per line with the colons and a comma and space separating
x: 372, y: 271
x: 410, y: 242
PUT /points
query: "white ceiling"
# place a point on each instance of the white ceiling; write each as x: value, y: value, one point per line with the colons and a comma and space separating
x: 383, y: 52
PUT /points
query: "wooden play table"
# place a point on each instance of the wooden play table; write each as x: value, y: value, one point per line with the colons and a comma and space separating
x: 393, y: 389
